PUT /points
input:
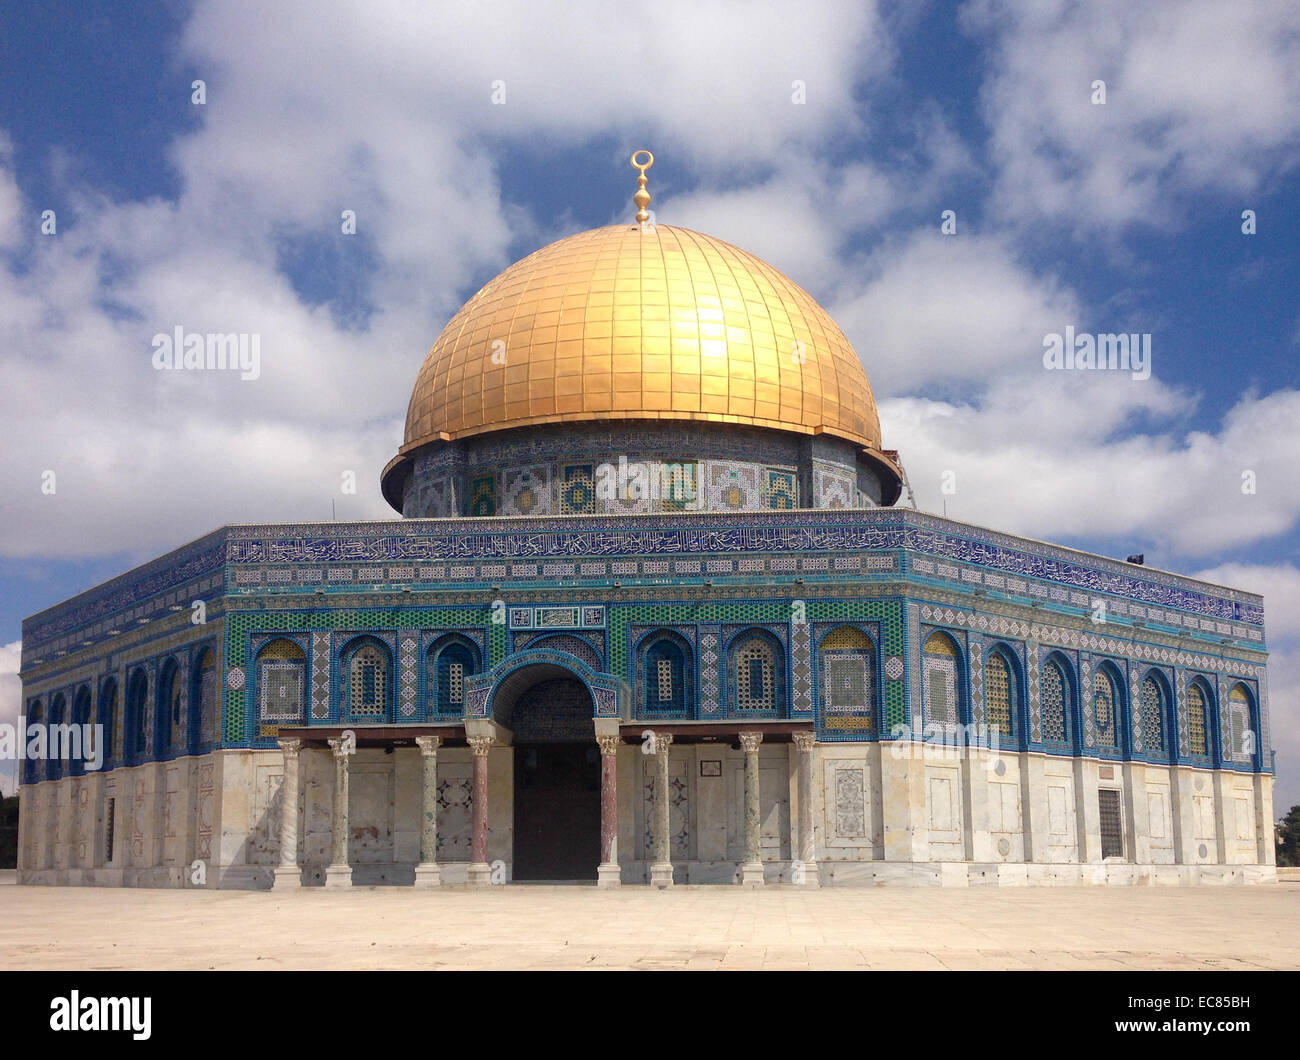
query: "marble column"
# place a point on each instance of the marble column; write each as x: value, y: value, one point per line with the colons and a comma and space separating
x: 339, y: 873
x: 608, y: 874
x: 427, y: 873
x: 751, y: 872
x: 480, y: 872
x: 661, y: 870
x: 288, y: 875
x: 806, y: 742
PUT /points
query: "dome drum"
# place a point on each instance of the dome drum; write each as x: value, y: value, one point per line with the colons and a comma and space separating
x: 635, y: 468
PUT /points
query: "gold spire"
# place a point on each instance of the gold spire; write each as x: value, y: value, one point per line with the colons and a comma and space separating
x: 642, y: 197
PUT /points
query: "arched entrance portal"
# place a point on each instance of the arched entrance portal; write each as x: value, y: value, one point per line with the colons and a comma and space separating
x: 557, y: 773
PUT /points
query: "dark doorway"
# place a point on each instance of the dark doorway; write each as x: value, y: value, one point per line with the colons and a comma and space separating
x: 557, y: 777
x: 557, y: 811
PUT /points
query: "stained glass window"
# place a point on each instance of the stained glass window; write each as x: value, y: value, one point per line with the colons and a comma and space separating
x: 665, y: 676
x: 940, y: 679
x: 451, y: 662
x: 1243, y: 736
x: 1199, y: 745
x: 999, y: 699
x: 369, y: 681
x: 665, y: 691
x: 282, y: 681
x: 1052, y: 701
x: 848, y: 667
x: 1103, y: 708
x: 1153, y: 715
x: 755, y: 678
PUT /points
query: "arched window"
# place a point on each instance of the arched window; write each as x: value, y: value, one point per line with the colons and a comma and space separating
x: 1153, y: 716
x: 451, y: 660
x: 205, y: 714
x: 81, y: 719
x: 368, y: 684
x: 1054, y: 703
x: 1105, y: 709
x: 847, y: 658
x: 168, y: 707
x: 108, y: 716
x: 1241, y: 720
x: 281, y: 682
x: 55, y: 746
x: 940, y: 687
x: 1197, y: 736
x: 32, y: 766
x: 137, y: 713
x: 665, y: 675
x: 755, y: 669
x: 1000, y: 700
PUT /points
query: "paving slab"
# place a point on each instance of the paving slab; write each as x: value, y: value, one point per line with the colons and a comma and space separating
x: 548, y: 927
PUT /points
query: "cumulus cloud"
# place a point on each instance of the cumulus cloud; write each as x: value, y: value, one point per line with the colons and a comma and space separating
x: 1045, y: 457
x: 955, y: 309
x: 1200, y: 95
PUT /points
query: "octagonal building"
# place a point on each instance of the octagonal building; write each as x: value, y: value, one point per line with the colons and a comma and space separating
x: 651, y: 616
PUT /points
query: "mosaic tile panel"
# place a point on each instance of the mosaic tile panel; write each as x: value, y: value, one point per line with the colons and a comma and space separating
x: 320, y: 676
x: 483, y: 496
x: 1035, y: 694
x: 801, y: 698
x: 780, y: 489
x: 710, y: 667
x: 734, y: 486
x: 1181, y: 712
x: 568, y: 643
x: 577, y: 489
x: 527, y: 491
x: 408, y: 688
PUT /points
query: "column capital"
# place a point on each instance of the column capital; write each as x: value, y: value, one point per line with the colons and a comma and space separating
x: 289, y: 747
x: 481, y: 745
x: 660, y: 742
x: 749, y: 741
x: 804, y: 740
x: 608, y: 744
x: 428, y: 745
x: 342, y: 748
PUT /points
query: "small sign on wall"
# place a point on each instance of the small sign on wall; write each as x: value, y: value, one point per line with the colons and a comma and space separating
x: 711, y: 768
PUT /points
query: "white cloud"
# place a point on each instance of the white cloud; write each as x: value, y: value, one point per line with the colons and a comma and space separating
x: 1201, y: 95
x: 949, y: 308
x: 1045, y: 456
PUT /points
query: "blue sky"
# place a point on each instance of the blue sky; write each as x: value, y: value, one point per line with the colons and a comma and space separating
x: 224, y: 216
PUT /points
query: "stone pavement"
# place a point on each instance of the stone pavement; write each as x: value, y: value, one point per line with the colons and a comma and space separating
x: 538, y: 927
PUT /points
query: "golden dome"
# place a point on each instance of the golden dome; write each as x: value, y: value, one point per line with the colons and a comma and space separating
x: 641, y: 322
